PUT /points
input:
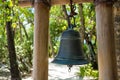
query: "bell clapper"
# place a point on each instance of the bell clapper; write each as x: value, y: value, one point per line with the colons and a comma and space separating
x: 69, y: 67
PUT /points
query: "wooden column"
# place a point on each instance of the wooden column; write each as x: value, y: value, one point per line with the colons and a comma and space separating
x: 40, y: 56
x: 105, y: 38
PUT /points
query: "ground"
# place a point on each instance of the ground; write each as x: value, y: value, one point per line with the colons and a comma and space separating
x: 56, y: 72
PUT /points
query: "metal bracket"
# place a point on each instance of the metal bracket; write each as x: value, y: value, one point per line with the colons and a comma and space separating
x: 110, y: 2
x: 46, y: 2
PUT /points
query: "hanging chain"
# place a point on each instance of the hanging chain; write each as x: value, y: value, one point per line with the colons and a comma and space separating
x: 73, y: 8
x: 72, y: 15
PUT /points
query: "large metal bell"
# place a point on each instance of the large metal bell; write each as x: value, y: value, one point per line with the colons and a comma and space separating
x: 70, y: 51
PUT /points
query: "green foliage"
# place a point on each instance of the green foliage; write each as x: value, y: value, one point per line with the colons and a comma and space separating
x: 24, y: 38
x: 90, y: 31
x: 89, y: 15
x: 88, y: 71
x: 57, y: 26
x: 22, y: 27
x: 24, y: 49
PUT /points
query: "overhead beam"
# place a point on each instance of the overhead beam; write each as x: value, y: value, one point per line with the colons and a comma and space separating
x: 28, y: 3
x: 62, y: 2
x: 24, y: 3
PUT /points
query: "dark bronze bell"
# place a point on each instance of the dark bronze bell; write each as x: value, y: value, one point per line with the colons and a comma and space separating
x: 70, y: 51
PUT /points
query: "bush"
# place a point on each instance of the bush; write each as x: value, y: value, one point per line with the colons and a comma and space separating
x: 88, y: 71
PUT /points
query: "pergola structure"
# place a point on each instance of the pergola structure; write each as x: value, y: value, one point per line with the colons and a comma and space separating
x: 105, y: 36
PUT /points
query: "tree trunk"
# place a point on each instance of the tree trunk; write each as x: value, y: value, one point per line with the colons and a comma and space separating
x: 82, y: 21
x: 52, y: 53
x: 106, y: 45
x: 117, y: 34
x: 15, y: 74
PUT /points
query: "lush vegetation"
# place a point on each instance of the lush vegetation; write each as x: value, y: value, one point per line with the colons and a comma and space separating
x: 88, y: 71
x: 23, y: 25
x: 22, y: 28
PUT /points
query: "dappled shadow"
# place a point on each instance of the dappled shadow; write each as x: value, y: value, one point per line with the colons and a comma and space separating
x: 4, y: 74
x: 56, y: 72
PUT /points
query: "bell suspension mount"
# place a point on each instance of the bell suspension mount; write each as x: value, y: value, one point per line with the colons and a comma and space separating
x: 72, y: 15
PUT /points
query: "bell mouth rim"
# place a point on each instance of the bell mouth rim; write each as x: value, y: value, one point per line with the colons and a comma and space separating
x: 70, y: 62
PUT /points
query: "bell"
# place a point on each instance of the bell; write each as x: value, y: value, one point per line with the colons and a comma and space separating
x: 70, y: 51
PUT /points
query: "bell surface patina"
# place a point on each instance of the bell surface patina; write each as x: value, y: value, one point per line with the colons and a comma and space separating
x: 70, y: 50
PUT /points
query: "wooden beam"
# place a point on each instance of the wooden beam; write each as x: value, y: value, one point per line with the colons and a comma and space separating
x: 26, y: 3
x: 62, y: 2
x: 106, y: 45
x: 41, y: 30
